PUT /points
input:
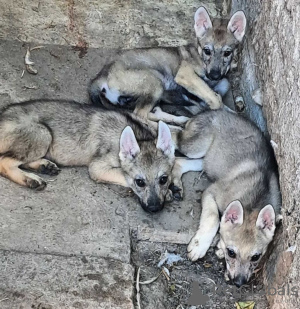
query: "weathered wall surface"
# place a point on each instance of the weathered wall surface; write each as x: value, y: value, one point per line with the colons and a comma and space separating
x: 109, y: 24
x: 271, y: 60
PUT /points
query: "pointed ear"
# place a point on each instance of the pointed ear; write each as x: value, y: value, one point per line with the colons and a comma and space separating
x: 129, y: 147
x: 266, y: 220
x: 237, y: 25
x: 164, y: 139
x: 234, y: 214
x: 202, y: 22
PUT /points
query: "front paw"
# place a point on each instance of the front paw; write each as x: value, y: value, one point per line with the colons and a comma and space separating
x: 220, y: 254
x: 169, y: 196
x: 157, y: 111
x: 176, y: 191
x: 196, y: 249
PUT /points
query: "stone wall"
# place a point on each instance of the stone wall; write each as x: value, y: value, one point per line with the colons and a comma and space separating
x: 271, y: 61
x: 107, y: 24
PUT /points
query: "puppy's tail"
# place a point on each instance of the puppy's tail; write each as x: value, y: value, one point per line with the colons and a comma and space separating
x: 95, y: 92
x: 95, y: 85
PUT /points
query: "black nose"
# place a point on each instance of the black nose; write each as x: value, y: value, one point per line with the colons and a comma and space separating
x: 214, y: 74
x: 240, y: 280
x: 124, y: 100
x: 152, y: 207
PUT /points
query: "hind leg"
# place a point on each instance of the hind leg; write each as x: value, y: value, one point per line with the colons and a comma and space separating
x: 42, y: 166
x: 23, y: 144
x: 196, y: 138
x: 9, y: 168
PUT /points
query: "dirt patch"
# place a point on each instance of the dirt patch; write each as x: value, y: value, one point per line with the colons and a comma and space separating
x: 204, y: 280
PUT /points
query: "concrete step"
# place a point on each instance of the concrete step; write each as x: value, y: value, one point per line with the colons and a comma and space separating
x: 31, y: 281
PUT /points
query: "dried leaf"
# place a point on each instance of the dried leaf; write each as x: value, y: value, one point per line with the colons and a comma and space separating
x: 245, y: 305
x: 151, y: 280
x: 28, y: 61
x: 207, y: 265
x: 30, y: 69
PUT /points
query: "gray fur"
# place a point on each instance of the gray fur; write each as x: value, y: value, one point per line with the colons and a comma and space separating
x: 72, y: 134
x: 241, y: 165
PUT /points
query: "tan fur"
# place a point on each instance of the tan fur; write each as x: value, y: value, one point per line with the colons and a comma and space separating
x: 149, y: 76
x: 9, y: 168
x: 72, y: 134
x: 187, y: 78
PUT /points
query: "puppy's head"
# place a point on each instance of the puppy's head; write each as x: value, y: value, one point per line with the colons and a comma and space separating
x: 147, y: 166
x: 218, y: 40
x: 244, y: 238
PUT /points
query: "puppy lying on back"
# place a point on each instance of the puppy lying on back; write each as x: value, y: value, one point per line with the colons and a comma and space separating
x: 138, y: 79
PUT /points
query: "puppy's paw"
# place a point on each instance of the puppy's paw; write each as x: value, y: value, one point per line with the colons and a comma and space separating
x: 156, y: 111
x: 220, y: 254
x: 195, y: 249
x: 169, y: 196
x: 49, y: 168
x: 226, y: 276
x: 34, y: 182
x: 176, y: 191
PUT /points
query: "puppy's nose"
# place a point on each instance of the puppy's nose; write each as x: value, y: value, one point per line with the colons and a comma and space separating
x: 152, y: 207
x: 215, y: 74
x: 240, y: 280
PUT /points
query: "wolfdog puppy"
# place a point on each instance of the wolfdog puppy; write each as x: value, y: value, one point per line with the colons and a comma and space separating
x: 140, y: 78
x: 241, y: 164
x: 117, y: 147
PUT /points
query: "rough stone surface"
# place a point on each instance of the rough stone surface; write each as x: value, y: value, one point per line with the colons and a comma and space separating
x: 72, y: 216
x: 50, y: 282
x: 116, y: 23
x: 272, y: 62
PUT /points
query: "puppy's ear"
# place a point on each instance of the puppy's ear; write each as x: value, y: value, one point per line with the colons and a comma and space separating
x: 233, y: 215
x: 129, y: 147
x: 202, y: 22
x: 266, y: 221
x: 237, y: 25
x: 164, y: 140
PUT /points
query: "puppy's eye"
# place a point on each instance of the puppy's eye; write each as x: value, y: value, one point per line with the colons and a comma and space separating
x: 227, y: 53
x: 140, y: 183
x: 207, y: 51
x: 231, y: 253
x: 255, y: 257
x: 163, y: 179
